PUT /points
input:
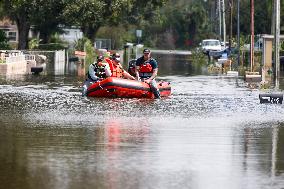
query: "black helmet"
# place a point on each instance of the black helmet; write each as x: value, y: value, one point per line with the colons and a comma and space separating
x: 146, y: 51
x: 116, y: 57
x: 100, y: 58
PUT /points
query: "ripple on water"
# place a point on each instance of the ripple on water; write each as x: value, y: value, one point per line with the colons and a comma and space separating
x: 209, y: 127
x: 198, y: 97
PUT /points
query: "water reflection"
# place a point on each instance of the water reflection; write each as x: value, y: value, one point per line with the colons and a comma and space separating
x: 85, y: 156
x: 255, y: 158
x: 117, y: 134
x: 211, y: 133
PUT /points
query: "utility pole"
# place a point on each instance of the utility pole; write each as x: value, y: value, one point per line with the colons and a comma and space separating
x: 276, y: 42
x: 238, y: 32
x: 273, y: 17
x: 231, y: 23
x: 224, y: 23
x: 252, y: 35
x: 220, y: 18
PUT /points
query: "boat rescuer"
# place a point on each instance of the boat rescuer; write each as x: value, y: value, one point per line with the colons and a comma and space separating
x: 97, y: 72
x: 146, y: 70
x: 117, y: 69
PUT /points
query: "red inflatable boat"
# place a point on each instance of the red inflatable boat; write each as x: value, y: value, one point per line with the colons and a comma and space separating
x: 124, y: 88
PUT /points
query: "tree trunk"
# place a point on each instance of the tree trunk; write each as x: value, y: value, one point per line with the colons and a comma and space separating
x: 23, y: 30
x: 44, y: 37
x: 90, y: 32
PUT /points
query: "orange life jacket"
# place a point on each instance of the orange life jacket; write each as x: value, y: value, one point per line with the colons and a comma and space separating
x: 146, y: 68
x: 116, y: 71
x: 109, y: 61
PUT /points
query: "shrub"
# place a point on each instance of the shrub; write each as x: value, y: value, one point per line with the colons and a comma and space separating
x: 4, y: 41
x: 34, y: 43
x: 52, y: 46
x: 85, y: 44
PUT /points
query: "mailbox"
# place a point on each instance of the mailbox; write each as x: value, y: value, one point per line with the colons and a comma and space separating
x: 271, y: 98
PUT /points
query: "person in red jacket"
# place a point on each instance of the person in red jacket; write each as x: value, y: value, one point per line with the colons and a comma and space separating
x: 117, y: 69
x: 146, y: 70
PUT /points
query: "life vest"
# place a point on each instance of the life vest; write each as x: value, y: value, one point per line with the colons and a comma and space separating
x: 99, y: 71
x: 146, y: 69
x: 131, y: 67
x: 109, y: 61
x: 117, y: 71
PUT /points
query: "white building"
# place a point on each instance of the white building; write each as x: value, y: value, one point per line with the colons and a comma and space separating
x: 71, y: 35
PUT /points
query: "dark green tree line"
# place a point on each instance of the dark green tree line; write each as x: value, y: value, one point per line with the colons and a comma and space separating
x: 165, y: 23
x: 46, y: 16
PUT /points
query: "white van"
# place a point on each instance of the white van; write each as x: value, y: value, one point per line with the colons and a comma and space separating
x: 208, y: 45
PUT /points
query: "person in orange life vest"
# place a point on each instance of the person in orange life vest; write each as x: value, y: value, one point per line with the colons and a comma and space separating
x: 108, y: 60
x: 146, y: 70
x: 117, y: 70
x: 97, y: 71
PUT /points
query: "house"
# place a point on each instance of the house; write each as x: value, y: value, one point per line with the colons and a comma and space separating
x: 11, y: 30
x: 71, y: 35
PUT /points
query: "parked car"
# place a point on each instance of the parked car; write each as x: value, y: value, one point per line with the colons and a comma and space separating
x: 208, y: 45
x: 223, y: 45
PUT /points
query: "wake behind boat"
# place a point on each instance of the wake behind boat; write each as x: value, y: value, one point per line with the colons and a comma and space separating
x: 124, y: 88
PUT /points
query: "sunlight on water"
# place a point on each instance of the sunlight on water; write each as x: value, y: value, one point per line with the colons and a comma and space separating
x: 193, y: 98
x: 212, y: 132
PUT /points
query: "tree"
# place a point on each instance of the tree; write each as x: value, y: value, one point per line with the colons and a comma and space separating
x: 20, y: 11
x: 48, y: 18
x: 3, y: 41
x: 179, y: 24
x: 1, y: 9
x: 47, y: 15
x: 90, y: 15
x: 44, y: 15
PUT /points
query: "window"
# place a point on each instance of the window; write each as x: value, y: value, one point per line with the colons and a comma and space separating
x: 12, y: 36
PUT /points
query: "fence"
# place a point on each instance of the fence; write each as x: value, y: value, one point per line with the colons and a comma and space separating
x: 102, y: 43
x: 12, y: 56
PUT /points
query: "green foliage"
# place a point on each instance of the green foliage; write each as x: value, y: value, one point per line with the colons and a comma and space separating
x: 166, y: 24
x: 88, y: 14
x: 89, y: 51
x: 137, y: 12
x: 79, y: 44
x: 281, y: 45
x: 86, y: 45
x: 4, y: 41
x: 52, y: 46
x: 48, y: 17
x: 198, y: 58
x: 1, y: 9
x: 179, y: 24
x: 55, y: 43
x: 118, y: 35
x: 34, y: 43
x: 56, y: 39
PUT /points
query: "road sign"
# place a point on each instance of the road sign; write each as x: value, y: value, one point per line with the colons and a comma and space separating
x: 138, y: 33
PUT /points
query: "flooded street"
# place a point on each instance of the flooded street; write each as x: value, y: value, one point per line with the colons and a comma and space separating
x: 211, y: 133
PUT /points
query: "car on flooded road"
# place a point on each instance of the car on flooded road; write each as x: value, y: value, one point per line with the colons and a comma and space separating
x: 208, y: 45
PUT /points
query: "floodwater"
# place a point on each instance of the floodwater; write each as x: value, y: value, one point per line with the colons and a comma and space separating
x: 212, y: 133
